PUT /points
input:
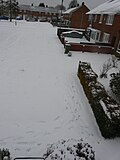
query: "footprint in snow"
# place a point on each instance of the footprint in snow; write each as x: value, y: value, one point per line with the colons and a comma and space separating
x: 57, y: 118
x: 39, y: 144
x: 47, y: 133
x: 41, y: 121
x: 17, y: 149
x: 22, y: 70
x: 70, y: 128
x: 28, y: 150
x: 57, y: 128
x: 22, y: 143
x: 2, y: 143
x: 29, y: 132
x: 66, y: 108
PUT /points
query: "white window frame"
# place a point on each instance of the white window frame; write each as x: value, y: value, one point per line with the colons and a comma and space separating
x: 90, y: 17
x: 95, y: 36
x: 98, y: 36
x: 118, y: 47
x: 106, y: 37
x: 101, y: 18
x: 110, y: 19
x: 95, y: 18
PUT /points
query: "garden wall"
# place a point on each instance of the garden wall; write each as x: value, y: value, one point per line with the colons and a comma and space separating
x: 91, y: 48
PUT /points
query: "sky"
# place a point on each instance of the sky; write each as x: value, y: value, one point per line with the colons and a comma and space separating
x: 90, y: 3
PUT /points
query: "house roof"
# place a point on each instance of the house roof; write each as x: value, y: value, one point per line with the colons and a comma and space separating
x: 109, y: 7
x: 38, y: 9
x: 70, y: 10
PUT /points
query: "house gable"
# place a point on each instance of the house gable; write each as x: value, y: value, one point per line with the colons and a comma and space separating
x: 107, y: 21
x: 77, y: 16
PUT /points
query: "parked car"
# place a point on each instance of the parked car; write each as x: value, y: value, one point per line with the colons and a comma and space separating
x: 4, y: 17
x: 19, y: 18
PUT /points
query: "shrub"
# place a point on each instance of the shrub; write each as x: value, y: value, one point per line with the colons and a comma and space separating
x: 115, y: 83
x: 70, y: 149
x: 105, y: 69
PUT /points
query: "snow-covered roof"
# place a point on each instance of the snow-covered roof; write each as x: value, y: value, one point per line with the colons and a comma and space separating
x: 70, y: 10
x: 38, y: 9
x: 109, y: 7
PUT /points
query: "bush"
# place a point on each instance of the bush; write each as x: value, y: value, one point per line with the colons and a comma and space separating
x: 111, y: 63
x: 105, y: 69
x: 71, y: 149
x: 115, y: 83
x: 4, y: 153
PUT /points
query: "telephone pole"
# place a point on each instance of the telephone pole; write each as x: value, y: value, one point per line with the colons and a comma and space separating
x: 61, y: 7
x: 10, y: 10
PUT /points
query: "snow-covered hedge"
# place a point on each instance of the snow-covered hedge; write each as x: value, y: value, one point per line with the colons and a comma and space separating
x: 70, y: 150
x: 4, y: 154
x: 106, y: 110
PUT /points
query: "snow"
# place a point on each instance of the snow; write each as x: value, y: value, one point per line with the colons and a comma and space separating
x: 41, y: 99
x: 109, y: 7
x: 78, y: 40
x: 75, y: 32
x: 70, y: 10
x: 105, y: 109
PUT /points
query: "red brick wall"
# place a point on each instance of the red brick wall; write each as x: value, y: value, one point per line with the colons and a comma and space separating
x: 37, y: 14
x: 113, y: 30
x: 91, y: 48
x: 79, y: 19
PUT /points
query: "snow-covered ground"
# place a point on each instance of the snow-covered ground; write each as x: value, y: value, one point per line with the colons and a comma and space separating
x: 41, y: 99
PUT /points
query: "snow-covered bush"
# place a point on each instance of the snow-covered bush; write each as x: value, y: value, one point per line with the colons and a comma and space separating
x: 114, y: 61
x: 71, y: 149
x: 111, y: 63
x: 112, y: 111
x: 4, y: 154
x: 97, y: 91
x: 115, y: 83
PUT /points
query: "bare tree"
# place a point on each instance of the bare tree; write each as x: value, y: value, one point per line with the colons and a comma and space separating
x: 105, y: 68
x: 73, y: 4
x: 12, y: 8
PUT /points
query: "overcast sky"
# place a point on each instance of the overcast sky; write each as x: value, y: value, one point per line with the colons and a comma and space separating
x: 90, y: 3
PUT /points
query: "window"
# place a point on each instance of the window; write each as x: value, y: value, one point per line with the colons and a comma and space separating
x: 95, y: 18
x: 95, y: 35
x: 118, y: 48
x: 101, y: 18
x: 110, y: 19
x: 90, y: 17
x: 106, y: 37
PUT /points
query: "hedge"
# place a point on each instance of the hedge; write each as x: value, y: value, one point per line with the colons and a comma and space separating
x: 105, y: 109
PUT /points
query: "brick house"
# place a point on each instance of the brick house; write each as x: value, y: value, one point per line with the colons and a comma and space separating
x: 77, y: 17
x: 43, y: 13
x: 104, y: 24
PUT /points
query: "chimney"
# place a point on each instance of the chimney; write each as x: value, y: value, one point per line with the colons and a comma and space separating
x: 83, y: 3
